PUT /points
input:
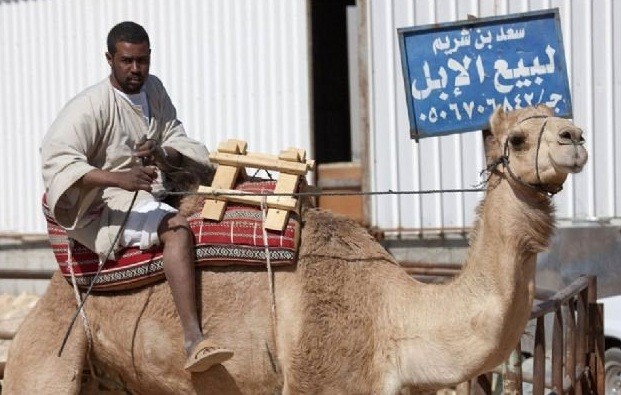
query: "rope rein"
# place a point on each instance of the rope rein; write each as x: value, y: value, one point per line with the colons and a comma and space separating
x: 77, y: 295
x: 85, y: 323
x: 96, y: 276
x: 270, y: 277
x: 502, y: 160
x: 324, y: 193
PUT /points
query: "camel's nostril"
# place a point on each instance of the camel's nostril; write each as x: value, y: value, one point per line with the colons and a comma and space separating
x: 566, y: 135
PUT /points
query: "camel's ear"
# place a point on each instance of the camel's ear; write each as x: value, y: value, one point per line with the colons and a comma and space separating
x: 492, y: 147
x: 497, y: 121
x: 491, y: 138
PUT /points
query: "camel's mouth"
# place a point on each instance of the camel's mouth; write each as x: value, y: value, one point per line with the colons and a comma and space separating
x: 572, y: 161
x: 568, y: 169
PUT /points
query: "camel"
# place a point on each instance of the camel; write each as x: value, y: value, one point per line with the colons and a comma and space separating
x: 349, y: 320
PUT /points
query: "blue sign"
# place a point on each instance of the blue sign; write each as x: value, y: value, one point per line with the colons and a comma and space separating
x: 457, y: 73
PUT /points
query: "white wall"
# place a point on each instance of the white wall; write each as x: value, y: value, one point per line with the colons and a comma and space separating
x: 592, y: 38
x: 233, y: 68
x: 239, y: 68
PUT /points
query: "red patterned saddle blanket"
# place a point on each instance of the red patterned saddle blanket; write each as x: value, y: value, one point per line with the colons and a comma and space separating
x: 236, y: 240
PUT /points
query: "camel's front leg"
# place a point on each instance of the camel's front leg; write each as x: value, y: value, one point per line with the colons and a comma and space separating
x: 33, y: 366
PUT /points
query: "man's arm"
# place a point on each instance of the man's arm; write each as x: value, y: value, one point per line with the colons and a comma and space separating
x: 138, y: 178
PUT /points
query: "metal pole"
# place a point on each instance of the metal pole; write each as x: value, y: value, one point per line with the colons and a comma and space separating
x: 21, y: 274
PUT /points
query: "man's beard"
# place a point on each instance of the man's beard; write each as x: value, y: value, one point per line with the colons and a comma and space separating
x: 129, y: 86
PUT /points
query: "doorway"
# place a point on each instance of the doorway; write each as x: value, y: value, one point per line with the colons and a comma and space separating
x: 336, y: 139
x: 330, y: 79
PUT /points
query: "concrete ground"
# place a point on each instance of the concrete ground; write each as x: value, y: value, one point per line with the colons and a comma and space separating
x: 18, y: 296
x: 13, y: 310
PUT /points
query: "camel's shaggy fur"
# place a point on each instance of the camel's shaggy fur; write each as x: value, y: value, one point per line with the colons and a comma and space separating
x: 338, y: 262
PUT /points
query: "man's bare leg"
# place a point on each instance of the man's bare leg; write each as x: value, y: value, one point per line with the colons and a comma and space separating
x: 176, y: 236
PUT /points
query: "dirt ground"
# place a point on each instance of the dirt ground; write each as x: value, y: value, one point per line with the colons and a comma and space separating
x: 13, y: 310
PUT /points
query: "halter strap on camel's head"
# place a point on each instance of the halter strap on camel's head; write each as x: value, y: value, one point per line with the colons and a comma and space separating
x: 535, y: 149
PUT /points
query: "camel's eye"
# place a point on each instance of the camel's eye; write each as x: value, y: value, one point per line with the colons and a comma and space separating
x: 517, y: 139
x: 566, y: 135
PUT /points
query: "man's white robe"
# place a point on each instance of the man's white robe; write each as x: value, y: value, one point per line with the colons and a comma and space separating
x: 98, y: 129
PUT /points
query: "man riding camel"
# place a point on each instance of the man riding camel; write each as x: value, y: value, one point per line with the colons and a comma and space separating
x: 105, y: 149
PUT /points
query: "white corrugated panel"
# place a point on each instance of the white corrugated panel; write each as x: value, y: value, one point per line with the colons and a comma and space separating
x: 233, y: 68
x: 592, y: 39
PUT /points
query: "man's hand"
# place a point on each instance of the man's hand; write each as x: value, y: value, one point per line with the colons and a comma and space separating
x: 149, y: 151
x: 152, y: 153
x: 136, y: 179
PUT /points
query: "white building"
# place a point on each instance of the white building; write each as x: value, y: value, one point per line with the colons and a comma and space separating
x: 324, y: 75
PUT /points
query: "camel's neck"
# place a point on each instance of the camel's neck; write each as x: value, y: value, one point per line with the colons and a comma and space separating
x: 479, y: 317
x: 514, y: 225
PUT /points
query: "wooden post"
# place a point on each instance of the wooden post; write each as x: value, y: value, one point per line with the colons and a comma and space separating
x: 596, y: 336
x: 276, y: 218
x: 512, y: 373
x: 539, y: 362
x: 232, y: 158
x: 557, y: 352
x: 570, y: 343
x: 276, y: 202
x: 581, y: 334
x: 224, y: 178
x: 483, y: 384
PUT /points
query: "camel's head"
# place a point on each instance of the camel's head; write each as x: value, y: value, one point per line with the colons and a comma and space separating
x: 535, y: 148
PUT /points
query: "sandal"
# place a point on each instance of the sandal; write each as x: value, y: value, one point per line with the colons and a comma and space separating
x: 205, y: 355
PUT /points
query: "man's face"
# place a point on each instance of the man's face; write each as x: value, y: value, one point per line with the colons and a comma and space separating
x: 129, y: 66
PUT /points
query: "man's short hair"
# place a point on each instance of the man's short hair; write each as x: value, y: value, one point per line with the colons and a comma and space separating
x: 130, y: 32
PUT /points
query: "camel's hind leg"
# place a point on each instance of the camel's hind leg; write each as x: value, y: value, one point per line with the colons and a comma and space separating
x: 33, y: 365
